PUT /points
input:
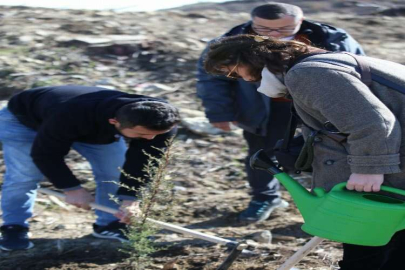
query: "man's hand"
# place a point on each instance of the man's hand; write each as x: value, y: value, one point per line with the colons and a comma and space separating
x: 365, y: 182
x: 128, y: 210
x: 79, y: 197
x: 225, y: 126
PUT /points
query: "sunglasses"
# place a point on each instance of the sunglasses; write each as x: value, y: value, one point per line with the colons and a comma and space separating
x: 263, y: 29
x: 232, y: 74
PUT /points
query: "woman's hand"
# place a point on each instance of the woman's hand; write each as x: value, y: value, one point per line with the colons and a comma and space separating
x: 365, y: 182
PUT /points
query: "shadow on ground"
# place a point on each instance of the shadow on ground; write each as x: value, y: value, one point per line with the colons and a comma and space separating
x: 62, y: 253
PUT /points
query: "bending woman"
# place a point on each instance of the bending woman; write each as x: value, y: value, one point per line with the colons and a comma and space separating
x: 330, y: 95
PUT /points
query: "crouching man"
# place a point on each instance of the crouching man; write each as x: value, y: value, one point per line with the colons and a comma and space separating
x: 41, y: 125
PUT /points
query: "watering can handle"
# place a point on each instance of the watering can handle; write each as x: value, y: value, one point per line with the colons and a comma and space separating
x: 342, y: 186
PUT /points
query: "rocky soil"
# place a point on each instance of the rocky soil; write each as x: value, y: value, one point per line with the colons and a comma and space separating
x: 155, y: 54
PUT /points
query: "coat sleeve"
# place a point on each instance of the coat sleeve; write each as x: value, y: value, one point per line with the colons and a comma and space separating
x: 52, y: 144
x: 374, y: 133
x: 349, y: 44
x: 216, y: 93
x: 337, y: 39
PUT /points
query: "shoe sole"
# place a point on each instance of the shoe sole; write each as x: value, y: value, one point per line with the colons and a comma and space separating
x: 97, y: 235
x: 30, y: 245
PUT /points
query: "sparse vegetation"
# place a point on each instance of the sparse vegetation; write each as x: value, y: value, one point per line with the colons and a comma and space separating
x: 157, y: 202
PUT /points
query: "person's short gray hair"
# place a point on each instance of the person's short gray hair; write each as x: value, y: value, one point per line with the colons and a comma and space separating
x: 274, y: 11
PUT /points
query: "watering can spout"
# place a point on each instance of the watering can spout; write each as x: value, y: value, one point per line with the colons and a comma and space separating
x: 305, y: 200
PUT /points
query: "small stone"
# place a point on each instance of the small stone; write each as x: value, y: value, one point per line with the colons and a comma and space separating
x: 200, y: 126
x: 252, y: 243
x: 59, y: 227
x: 202, y: 143
x: 264, y: 237
x: 25, y: 39
x: 152, y: 88
x: 179, y: 188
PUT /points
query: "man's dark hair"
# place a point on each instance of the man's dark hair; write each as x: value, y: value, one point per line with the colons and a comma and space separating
x: 274, y: 11
x: 153, y: 115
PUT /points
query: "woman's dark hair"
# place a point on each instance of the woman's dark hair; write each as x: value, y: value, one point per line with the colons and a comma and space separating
x: 153, y: 115
x: 254, y: 52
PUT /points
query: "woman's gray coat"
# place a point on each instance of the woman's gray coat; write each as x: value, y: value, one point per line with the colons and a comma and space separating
x: 373, y: 118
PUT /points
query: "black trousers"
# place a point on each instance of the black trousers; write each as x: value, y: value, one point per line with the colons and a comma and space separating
x: 263, y: 186
x: 388, y: 257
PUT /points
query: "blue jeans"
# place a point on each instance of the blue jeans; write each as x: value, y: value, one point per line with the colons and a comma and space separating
x: 22, y: 176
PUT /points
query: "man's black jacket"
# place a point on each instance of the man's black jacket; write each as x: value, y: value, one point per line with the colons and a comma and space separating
x: 63, y: 115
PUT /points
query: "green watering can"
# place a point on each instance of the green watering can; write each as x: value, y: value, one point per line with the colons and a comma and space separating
x: 359, y: 218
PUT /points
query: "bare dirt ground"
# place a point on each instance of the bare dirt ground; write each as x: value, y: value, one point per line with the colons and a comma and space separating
x: 138, y: 52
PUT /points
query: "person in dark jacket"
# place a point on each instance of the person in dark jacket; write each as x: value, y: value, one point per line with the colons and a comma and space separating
x: 41, y: 125
x: 264, y: 120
